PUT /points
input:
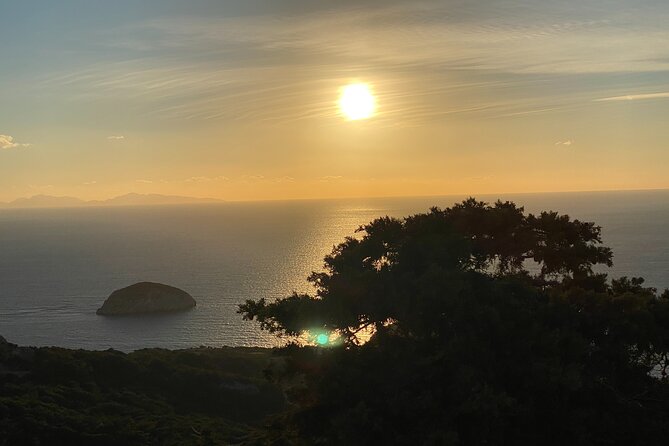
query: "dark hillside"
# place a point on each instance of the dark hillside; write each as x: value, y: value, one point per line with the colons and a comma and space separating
x: 186, y: 397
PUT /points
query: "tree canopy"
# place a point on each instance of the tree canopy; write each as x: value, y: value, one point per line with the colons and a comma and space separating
x: 475, y: 324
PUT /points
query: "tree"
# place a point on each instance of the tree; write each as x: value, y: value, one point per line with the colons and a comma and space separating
x: 476, y: 324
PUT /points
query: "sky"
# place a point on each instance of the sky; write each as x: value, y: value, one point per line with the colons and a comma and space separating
x: 238, y: 100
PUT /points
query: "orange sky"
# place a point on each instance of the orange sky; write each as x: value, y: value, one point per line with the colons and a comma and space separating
x: 238, y: 100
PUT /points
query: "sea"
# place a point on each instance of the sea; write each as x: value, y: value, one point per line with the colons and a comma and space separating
x: 57, y: 266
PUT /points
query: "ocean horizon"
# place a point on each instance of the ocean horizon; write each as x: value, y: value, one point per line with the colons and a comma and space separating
x: 57, y: 266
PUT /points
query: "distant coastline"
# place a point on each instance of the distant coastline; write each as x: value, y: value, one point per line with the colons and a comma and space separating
x: 132, y: 199
x: 137, y: 199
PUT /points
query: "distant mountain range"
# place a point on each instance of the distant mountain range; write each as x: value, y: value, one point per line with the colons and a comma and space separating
x: 49, y: 201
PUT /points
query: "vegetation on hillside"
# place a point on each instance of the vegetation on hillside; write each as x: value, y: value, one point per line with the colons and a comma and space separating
x: 203, y: 396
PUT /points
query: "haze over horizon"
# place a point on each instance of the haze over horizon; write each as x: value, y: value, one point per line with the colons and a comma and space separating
x: 134, y: 198
x: 240, y: 100
x: 130, y: 199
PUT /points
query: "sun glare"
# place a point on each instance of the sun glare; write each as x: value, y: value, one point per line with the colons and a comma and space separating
x: 357, y: 102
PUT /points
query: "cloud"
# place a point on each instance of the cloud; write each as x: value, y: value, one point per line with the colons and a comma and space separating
x: 144, y: 181
x: 253, y: 177
x: 330, y: 178
x: 203, y: 179
x: 567, y: 142
x: 531, y: 112
x: 421, y: 57
x: 546, y: 38
x: 7, y: 142
x: 116, y: 137
x: 90, y: 183
x: 636, y: 97
x: 243, y: 178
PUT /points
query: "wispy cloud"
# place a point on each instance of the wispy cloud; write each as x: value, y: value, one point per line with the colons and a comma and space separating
x: 253, y: 177
x: 328, y: 178
x: 531, y: 112
x: 116, y: 137
x: 422, y: 57
x: 204, y: 179
x: 545, y: 38
x: 144, y: 181
x: 636, y: 97
x: 567, y: 142
x: 8, y: 142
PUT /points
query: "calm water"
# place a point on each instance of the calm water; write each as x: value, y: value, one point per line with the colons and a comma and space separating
x: 57, y: 266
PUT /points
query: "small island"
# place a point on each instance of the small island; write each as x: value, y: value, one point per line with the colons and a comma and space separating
x: 145, y: 298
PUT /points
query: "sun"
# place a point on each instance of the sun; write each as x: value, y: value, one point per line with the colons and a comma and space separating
x: 357, y: 102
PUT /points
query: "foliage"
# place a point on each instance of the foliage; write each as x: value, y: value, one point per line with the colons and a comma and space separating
x: 489, y: 326
x: 148, y: 397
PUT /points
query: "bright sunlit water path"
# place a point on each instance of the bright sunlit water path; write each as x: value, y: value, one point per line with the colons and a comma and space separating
x: 57, y: 266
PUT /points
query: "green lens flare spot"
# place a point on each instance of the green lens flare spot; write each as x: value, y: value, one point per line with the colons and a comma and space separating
x: 322, y: 339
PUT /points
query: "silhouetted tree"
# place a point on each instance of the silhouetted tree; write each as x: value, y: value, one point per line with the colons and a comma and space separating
x: 475, y: 324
